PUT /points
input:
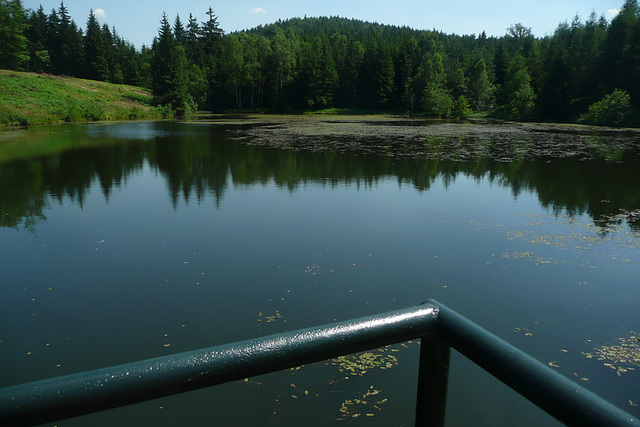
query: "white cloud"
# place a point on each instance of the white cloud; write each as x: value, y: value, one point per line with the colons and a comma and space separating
x: 100, y: 13
x: 612, y: 13
x: 257, y: 10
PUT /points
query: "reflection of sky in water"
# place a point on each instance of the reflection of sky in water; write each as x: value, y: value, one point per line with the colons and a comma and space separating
x: 138, y: 276
x: 142, y: 131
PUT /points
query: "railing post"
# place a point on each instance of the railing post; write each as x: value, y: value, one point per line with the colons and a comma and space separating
x: 433, y: 375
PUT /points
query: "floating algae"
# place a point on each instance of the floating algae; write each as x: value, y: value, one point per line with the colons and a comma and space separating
x: 360, y: 363
x: 262, y: 317
x: 366, y: 405
x: 622, y: 356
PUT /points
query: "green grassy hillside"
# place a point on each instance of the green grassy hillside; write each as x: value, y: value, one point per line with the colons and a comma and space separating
x: 28, y: 98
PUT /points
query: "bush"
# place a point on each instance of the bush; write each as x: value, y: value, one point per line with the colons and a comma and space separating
x: 437, y: 102
x: 461, y: 108
x: 612, y: 110
x: 13, y: 118
x: 522, y: 104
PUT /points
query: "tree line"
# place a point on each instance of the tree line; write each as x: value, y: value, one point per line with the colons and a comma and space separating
x: 586, y: 70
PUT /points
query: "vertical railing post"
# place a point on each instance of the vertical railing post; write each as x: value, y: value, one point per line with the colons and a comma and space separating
x: 433, y: 377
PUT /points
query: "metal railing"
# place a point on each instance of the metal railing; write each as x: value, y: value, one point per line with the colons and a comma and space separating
x: 439, y: 328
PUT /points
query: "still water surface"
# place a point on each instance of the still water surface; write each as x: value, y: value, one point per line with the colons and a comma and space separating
x: 128, y: 241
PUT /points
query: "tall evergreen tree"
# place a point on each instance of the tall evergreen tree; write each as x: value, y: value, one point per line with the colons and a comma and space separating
x: 211, y: 34
x: 66, y: 43
x: 318, y: 77
x: 95, y: 51
x: 193, y: 47
x: 179, y: 32
x: 405, y: 72
x: 169, y: 63
x: 37, y: 35
x: 13, y: 42
x: 385, y: 78
x: 619, y: 65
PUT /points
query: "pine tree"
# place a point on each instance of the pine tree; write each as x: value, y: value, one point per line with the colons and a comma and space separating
x: 619, y: 65
x: 318, y: 75
x: 161, y: 62
x: 179, y: 31
x: 95, y: 51
x: 193, y: 47
x: 211, y: 34
x: 168, y: 65
x: 66, y: 43
x: 37, y: 35
x: 385, y: 79
x: 13, y: 43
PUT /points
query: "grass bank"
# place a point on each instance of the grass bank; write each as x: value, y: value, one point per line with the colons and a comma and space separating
x: 29, y: 98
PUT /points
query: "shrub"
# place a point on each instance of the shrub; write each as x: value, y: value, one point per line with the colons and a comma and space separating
x: 13, y: 118
x: 613, y: 110
x: 437, y: 102
x: 461, y: 107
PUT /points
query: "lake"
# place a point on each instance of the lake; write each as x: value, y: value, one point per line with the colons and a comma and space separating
x: 126, y: 241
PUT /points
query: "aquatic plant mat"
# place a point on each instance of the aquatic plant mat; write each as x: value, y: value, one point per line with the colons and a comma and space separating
x: 418, y: 138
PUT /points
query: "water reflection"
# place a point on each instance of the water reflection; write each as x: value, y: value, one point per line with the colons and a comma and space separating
x: 137, y: 279
x: 42, y: 167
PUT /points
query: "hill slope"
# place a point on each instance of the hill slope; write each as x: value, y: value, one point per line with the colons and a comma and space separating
x: 28, y: 98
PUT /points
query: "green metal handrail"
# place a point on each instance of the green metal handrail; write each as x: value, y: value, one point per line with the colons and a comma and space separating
x: 439, y: 328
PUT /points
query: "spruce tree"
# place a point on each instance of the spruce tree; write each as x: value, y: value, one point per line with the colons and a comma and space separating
x: 179, y: 31
x: 211, y: 34
x: 168, y: 67
x: 66, y: 43
x: 95, y: 59
x: 13, y: 43
x: 37, y: 35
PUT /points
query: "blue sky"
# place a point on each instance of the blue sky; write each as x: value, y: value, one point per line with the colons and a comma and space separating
x: 138, y: 20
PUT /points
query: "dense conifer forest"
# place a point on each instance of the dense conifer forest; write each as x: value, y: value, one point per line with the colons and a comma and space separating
x: 588, y: 70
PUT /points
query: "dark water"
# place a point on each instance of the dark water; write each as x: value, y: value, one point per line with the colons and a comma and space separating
x: 129, y: 241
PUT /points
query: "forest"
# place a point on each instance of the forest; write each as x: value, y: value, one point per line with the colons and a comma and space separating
x: 587, y: 71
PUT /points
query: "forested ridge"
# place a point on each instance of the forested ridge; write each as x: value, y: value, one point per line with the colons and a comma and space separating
x: 588, y: 70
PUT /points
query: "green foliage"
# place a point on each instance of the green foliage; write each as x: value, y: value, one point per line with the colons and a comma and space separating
x: 13, y: 43
x: 519, y: 94
x: 461, y: 108
x: 95, y: 51
x: 435, y: 97
x: 481, y: 90
x: 169, y: 71
x: 28, y: 98
x: 613, y: 110
x: 437, y: 102
x: 325, y: 63
x: 65, y: 43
